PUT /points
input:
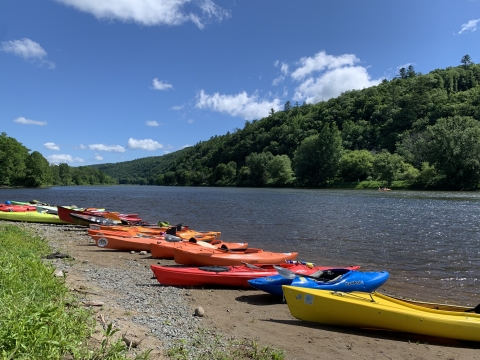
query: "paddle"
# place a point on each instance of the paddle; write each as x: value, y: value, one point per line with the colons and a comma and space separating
x: 289, y: 274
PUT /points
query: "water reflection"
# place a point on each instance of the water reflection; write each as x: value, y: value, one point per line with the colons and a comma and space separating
x: 427, y: 240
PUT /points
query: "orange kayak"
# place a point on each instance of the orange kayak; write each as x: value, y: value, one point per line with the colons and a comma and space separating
x: 165, y: 249
x: 159, y: 246
x: 201, y: 256
x: 184, y: 233
x: 125, y: 243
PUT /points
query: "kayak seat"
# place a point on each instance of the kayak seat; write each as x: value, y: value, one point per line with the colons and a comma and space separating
x: 335, y: 279
x: 214, y: 268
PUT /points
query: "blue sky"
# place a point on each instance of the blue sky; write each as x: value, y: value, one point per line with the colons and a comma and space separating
x: 101, y: 81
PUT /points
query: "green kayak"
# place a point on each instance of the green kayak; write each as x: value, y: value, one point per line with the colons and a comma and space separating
x: 32, y: 216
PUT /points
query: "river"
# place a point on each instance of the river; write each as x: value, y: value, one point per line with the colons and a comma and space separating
x: 428, y: 241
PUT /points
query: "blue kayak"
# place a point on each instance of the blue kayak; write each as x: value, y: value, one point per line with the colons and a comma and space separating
x: 334, y: 279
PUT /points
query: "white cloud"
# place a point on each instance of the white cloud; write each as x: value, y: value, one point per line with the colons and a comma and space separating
x: 147, y: 144
x: 185, y: 146
x: 177, y: 107
x: 241, y: 105
x: 151, y: 12
x: 190, y: 121
x: 152, y: 123
x: 278, y: 80
x: 108, y: 148
x: 166, y: 152
x: 28, y: 50
x: 23, y: 121
x: 160, y: 85
x: 283, y: 69
x: 63, y: 158
x: 332, y: 83
x: 320, y: 62
x: 51, y: 146
x: 469, y: 26
x: 98, y: 157
x: 325, y: 76
x: 83, y: 147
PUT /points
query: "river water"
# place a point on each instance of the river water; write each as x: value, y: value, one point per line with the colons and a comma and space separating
x: 428, y: 241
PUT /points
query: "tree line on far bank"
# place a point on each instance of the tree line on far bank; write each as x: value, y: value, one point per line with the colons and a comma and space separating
x: 421, y: 130
x: 20, y: 167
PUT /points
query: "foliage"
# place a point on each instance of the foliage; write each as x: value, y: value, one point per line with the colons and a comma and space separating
x: 398, y: 116
x: 279, y: 171
x: 356, y: 165
x: 19, y: 167
x: 455, y: 151
x: 12, y: 161
x: 393, y: 116
x: 387, y: 166
x: 317, y: 158
x: 39, y: 317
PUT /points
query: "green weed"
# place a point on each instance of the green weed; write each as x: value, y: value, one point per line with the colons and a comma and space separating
x: 39, y: 317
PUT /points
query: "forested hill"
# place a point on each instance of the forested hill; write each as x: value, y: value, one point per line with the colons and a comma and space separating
x: 422, y: 129
x: 140, y: 171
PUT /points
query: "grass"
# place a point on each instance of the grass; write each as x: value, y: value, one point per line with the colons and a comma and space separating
x: 221, y: 348
x: 39, y: 317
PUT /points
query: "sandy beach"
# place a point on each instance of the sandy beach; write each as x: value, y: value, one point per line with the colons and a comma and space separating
x: 229, y: 313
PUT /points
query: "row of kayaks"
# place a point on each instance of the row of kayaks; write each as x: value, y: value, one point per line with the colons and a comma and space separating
x: 343, y: 296
x: 40, y: 212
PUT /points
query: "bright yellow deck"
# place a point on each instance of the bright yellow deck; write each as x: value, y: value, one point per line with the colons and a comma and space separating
x: 31, y: 216
x: 379, y: 311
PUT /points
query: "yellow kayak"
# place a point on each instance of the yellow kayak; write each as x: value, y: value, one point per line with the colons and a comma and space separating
x: 31, y: 216
x: 378, y: 311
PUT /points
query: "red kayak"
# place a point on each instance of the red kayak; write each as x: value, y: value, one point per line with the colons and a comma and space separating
x: 235, y: 276
x: 64, y: 214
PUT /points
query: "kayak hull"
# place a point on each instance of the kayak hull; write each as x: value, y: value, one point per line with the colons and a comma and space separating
x: 164, y: 249
x: 378, y: 311
x: 31, y: 216
x: 86, y: 220
x: 124, y: 243
x: 234, y: 276
x: 337, y: 279
x: 206, y: 257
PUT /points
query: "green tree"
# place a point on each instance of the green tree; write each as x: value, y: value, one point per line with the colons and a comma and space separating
x: 279, y: 171
x: 169, y: 178
x: 386, y: 166
x: 54, y: 170
x: 356, y: 165
x: 466, y: 61
x: 317, y: 158
x: 411, y: 72
x: 12, y: 161
x: 38, y: 171
x: 65, y: 174
x: 257, y: 165
x: 413, y: 147
x: 455, y: 151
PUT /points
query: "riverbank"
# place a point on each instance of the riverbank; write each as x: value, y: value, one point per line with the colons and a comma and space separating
x: 119, y: 287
